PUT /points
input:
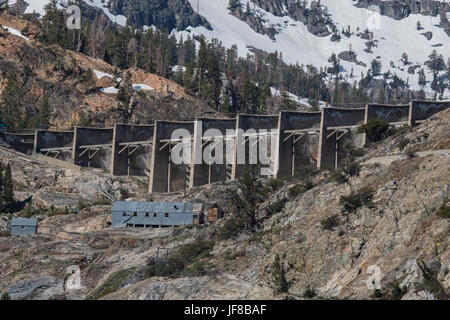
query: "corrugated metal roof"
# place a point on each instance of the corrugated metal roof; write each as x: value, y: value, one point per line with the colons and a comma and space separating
x: 24, y: 222
x: 179, y: 207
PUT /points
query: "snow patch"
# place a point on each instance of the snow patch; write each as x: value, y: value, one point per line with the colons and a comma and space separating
x: 142, y: 86
x: 15, y: 32
x: 100, y: 74
x: 110, y: 90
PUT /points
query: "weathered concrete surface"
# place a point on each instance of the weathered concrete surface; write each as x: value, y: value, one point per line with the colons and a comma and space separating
x: 292, y: 156
x: 45, y: 139
x: 164, y: 175
x: 92, y: 137
x: 131, y: 161
x: 247, y: 123
x: 422, y: 110
x: 23, y: 142
x: 329, y: 146
x: 204, y: 173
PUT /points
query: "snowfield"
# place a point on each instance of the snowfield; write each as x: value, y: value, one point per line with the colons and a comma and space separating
x: 298, y: 45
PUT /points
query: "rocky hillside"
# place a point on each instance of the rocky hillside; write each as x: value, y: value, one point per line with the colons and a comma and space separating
x: 81, y: 89
x: 316, y: 239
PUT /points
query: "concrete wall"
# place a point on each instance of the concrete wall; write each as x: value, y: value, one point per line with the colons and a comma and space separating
x: 90, y: 137
x: 422, y: 110
x: 390, y: 113
x: 292, y: 156
x: 164, y: 175
x: 204, y: 173
x: 138, y: 162
x: 22, y: 142
x: 245, y: 122
x: 334, y: 117
x: 54, y: 139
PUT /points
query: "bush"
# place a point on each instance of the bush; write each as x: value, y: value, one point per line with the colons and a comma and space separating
x: 409, y: 153
x: 294, y: 191
x: 338, y: 176
x: 112, y: 284
x: 356, y: 199
x: 277, y: 206
x: 5, y: 296
x: 310, y: 293
x: 275, y: 184
x: 330, y: 223
x: 279, y: 277
x: 182, y: 262
x: 403, y: 143
x: 352, y: 168
x: 232, y: 228
x: 396, y: 292
x: 444, y: 210
x: 375, y: 129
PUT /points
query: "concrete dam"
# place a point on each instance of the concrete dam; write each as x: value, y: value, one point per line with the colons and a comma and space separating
x: 281, y: 144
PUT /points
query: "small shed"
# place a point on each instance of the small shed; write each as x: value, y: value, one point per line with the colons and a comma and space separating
x: 155, y: 214
x: 22, y: 226
x: 214, y: 212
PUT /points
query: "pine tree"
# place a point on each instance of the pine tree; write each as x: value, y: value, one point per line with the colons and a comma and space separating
x: 43, y: 117
x: 1, y: 187
x: 8, y: 192
x: 436, y: 64
x: 11, y: 102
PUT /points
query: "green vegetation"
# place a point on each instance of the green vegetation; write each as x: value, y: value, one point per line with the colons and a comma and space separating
x: 356, y: 199
x: 279, y: 276
x: 112, y: 284
x: 232, y: 228
x: 444, y: 210
x: 5, y: 296
x: 330, y: 223
x: 398, y: 292
x: 403, y: 143
x: 310, y: 293
x: 409, y: 153
x: 7, y: 202
x: 184, y: 261
x: 294, y: 191
x: 375, y: 129
x: 277, y: 206
x: 430, y: 282
x: 338, y: 176
x: 275, y: 184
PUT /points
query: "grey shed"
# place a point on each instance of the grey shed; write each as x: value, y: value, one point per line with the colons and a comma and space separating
x: 22, y: 226
x: 155, y: 214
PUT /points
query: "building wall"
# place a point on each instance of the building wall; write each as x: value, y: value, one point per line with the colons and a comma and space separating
x: 54, y: 139
x: 174, y: 219
x: 202, y: 173
x: 293, y: 156
x: 422, y: 110
x: 18, y: 231
x: 164, y: 175
x: 92, y: 136
x: 333, y: 117
x: 245, y: 122
x: 137, y: 163
x: 22, y: 142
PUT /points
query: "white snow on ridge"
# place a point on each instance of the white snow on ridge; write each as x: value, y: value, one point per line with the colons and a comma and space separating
x: 110, y: 90
x: 100, y: 74
x: 15, y: 32
x: 38, y: 7
x: 142, y: 86
x: 298, y: 45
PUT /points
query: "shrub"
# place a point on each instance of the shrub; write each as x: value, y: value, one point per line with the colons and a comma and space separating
x: 409, y: 153
x: 338, y: 176
x: 444, y: 210
x: 375, y: 129
x: 356, y: 199
x: 310, y: 293
x: 279, y: 277
x: 330, y: 223
x: 277, y: 206
x: 403, y: 143
x: 5, y: 296
x: 294, y: 191
x: 177, y: 263
x: 352, y: 168
x: 4, y: 233
x: 398, y: 292
x: 232, y: 228
x: 112, y: 284
x: 357, y: 152
x: 275, y: 184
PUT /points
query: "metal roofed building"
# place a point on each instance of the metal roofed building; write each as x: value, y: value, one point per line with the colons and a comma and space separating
x: 155, y: 214
x: 22, y: 226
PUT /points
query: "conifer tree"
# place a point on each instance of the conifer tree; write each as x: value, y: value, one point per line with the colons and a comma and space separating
x: 43, y: 117
x: 8, y: 192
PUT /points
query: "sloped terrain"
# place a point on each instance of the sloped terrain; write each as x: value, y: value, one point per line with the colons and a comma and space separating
x: 396, y: 231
